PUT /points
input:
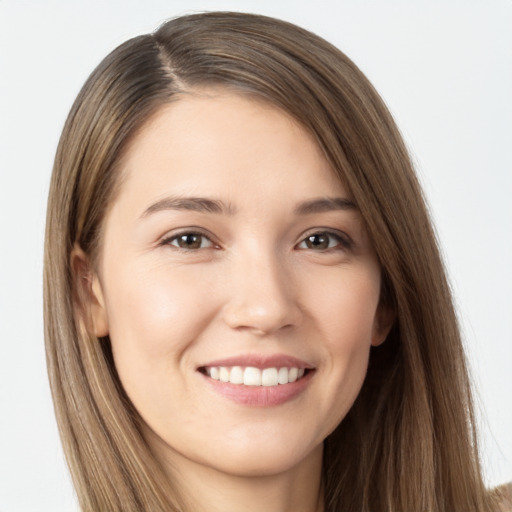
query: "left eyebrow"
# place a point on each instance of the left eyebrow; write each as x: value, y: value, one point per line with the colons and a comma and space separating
x: 196, y: 204
x: 325, y: 204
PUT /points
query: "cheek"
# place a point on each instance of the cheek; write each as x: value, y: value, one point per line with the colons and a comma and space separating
x: 346, y: 321
x: 346, y: 309
x: 153, y: 317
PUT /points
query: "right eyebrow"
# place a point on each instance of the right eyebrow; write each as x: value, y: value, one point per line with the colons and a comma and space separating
x: 196, y: 204
x: 325, y: 204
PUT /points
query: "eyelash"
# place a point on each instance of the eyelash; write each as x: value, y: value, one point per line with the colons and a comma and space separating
x: 174, y: 238
x: 343, y: 241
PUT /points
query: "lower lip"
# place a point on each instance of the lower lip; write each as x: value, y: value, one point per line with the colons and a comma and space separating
x: 261, y: 396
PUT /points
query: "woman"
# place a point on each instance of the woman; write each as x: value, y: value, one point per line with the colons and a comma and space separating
x: 245, y: 304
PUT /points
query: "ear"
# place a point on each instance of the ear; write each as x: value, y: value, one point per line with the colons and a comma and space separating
x: 384, y: 320
x: 89, y: 298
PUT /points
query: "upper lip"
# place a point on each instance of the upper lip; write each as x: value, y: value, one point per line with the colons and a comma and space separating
x: 261, y: 361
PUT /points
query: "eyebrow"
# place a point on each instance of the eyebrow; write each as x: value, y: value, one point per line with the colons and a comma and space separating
x: 206, y: 205
x: 325, y: 204
x: 195, y: 204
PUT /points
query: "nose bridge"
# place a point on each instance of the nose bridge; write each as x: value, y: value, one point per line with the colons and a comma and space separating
x: 261, y: 294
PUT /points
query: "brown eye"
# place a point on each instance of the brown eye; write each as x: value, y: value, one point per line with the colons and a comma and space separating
x: 323, y: 241
x: 190, y: 241
x: 317, y: 241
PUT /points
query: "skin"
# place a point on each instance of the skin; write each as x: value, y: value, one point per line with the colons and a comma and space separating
x: 253, y: 285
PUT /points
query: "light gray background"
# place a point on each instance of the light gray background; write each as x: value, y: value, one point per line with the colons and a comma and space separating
x: 443, y: 67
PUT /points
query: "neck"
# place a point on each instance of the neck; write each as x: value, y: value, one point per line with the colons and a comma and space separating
x: 204, y: 489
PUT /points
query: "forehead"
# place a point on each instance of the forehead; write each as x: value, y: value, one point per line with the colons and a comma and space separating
x: 217, y: 142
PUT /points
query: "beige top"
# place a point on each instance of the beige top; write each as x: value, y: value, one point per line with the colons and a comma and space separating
x: 505, y: 493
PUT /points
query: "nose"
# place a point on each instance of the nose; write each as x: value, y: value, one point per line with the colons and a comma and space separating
x: 262, y: 295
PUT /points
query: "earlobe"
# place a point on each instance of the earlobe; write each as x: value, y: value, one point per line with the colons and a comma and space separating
x: 89, y: 298
x: 384, y: 320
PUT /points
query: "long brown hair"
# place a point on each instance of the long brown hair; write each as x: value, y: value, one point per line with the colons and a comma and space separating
x: 408, y: 443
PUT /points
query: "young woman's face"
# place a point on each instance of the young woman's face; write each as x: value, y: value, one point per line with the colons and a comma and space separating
x: 238, y: 287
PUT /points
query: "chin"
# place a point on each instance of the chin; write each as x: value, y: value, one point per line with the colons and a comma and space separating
x: 262, y: 457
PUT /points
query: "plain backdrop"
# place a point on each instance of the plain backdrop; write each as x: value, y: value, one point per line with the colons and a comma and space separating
x: 443, y: 67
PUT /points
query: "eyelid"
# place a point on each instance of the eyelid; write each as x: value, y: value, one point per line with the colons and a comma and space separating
x: 191, y: 230
x: 344, y: 240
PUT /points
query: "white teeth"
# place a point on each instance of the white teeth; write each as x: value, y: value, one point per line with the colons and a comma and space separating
x: 269, y: 377
x: 223, y: 374
x: 282, y: 376
x: 251, y: 376
x: 237, y: 375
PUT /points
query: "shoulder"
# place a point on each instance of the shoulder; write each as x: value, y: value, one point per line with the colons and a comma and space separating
x: 504, y: 495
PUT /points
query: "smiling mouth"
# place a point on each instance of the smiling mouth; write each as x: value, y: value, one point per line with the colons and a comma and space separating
x: 251, y: 376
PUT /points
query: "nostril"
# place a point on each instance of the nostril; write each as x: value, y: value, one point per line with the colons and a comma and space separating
x: 261, y: 320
